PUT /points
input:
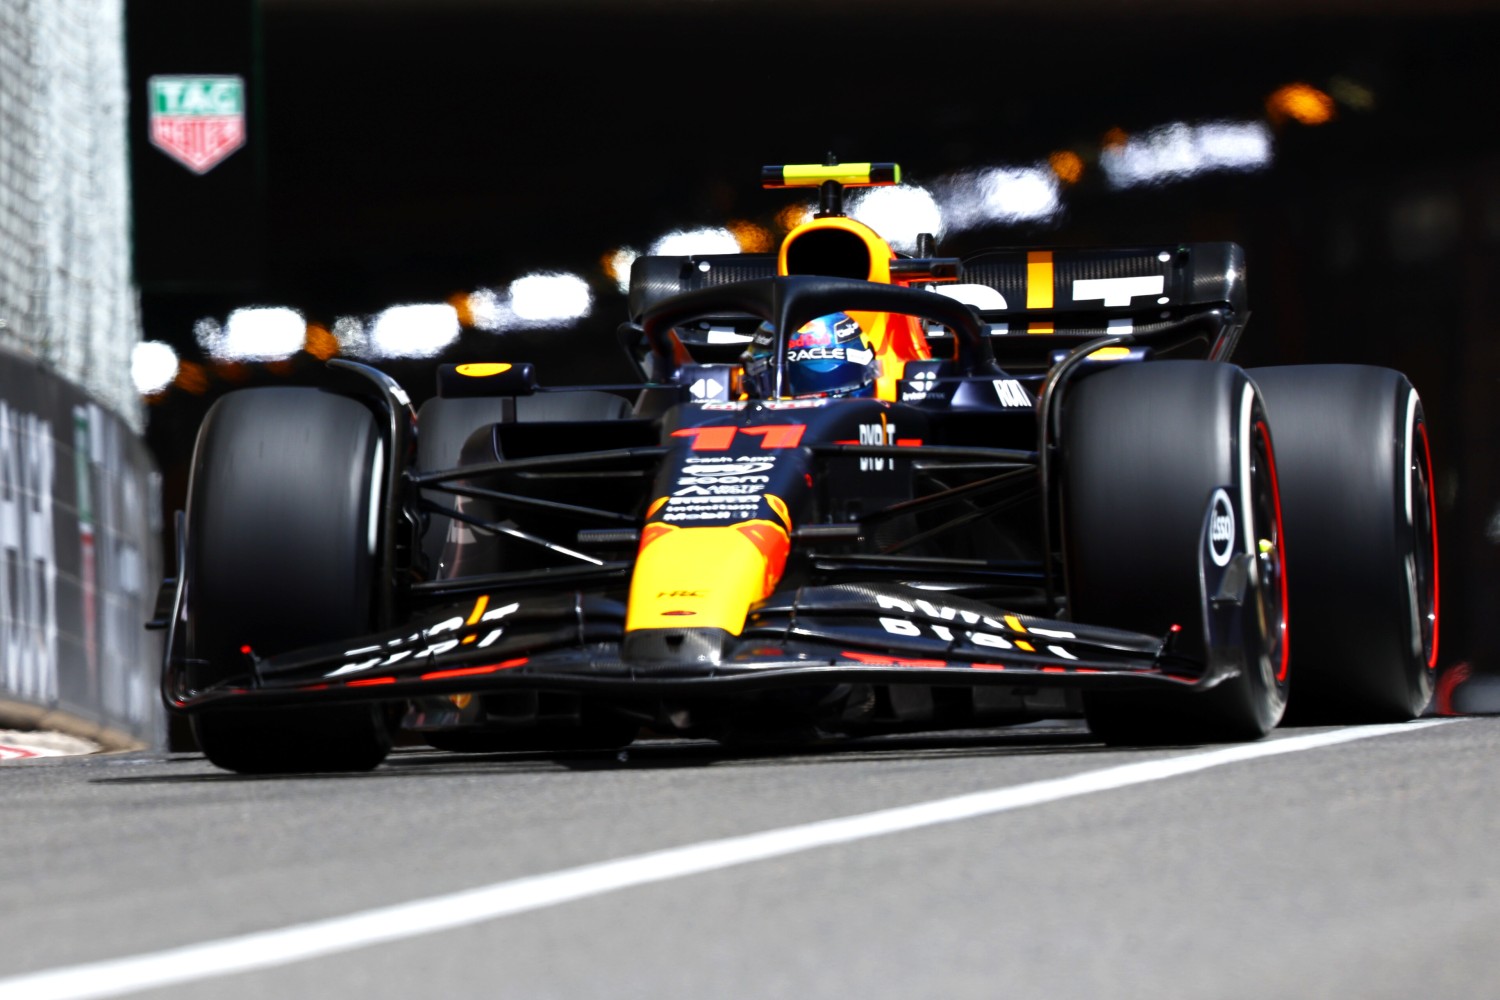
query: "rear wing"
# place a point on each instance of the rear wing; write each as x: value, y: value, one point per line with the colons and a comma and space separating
x: 1186, y: 298
x: 1167, y: 297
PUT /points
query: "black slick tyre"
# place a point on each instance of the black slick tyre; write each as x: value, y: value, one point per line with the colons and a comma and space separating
x: 1147, y: 450
x: 284, y: 526
x: 1357, y: 495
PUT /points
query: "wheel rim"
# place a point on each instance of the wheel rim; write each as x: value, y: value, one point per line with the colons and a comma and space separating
x: 1422, y: 557
x: 1270, y: 557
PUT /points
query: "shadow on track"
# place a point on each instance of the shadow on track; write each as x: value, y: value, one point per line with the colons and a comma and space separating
x: 660, y: 754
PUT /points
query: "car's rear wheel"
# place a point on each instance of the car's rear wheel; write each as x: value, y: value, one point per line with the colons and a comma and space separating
x: 1357, y: 496
x: 1147, y: 450
x: 284, y: 529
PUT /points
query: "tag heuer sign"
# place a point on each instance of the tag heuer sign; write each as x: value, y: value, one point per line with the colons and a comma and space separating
x: 197, y: 120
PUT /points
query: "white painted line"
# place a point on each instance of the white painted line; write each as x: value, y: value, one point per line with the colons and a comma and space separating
x: 406, y: 920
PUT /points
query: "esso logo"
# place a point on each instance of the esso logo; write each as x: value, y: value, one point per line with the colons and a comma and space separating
x: 1221, y: 528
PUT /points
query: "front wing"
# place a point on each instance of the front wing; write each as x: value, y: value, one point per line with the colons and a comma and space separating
x: 812, y: 636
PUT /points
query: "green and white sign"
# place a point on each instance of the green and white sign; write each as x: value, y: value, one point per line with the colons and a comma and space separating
x: 197, y: 120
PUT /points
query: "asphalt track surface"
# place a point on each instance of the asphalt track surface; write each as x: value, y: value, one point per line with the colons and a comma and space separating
x: 1032, y: 862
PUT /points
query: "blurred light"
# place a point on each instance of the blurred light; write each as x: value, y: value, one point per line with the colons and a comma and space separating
x: 751, y: 237
x: 232, y: 371
x: 191, y: 378
x: 534, y: 301
x: 897, y: 213
x: 551, y: 299
x: 260, y: 334
x: 351, y: 335
x: 1067, y: 166
x: 696, y: 242
x: 999, y: 195
x: 208, y: 333
x: 617, y: 266
x: 460, y: 303
x: 792, y: 216
x: 1300, y: 102
x: 487, y: 310
x: 321, y: 344
x: 153, y: 366
x: 1179, y: 151
x: 413, y: 331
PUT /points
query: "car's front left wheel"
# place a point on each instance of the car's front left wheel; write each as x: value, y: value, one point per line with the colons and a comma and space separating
x: 1169, y: 478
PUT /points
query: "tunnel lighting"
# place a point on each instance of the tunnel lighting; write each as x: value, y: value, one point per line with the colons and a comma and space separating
x: 321, y: 343
x: 208, y: 333
x: 1066, y: 165
x: 191, y: 377
x: 738, y: 237
x: 461, y: 308
x: 351, y: 335
x: 487, y: 310
x: 1179, y: 151
x: 153, y: 366
x: 616, y: 265
x: 792, y: 216
x: 260, y: 334
x: 413, y: 331
x: 694, y: 242
x: 534, y: 301
x: 898, y: 213
x: 999, y: 195
x: 1300, y: 102
x: 551, y: 299
x: 752, y: 238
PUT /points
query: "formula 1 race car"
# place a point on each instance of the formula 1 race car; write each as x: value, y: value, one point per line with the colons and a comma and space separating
x: 852, y: 492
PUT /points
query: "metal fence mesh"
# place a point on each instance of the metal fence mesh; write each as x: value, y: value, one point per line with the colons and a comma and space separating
x: 66, y: 295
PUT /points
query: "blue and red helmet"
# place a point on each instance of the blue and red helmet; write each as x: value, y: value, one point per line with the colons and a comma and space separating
x: 826, y: 357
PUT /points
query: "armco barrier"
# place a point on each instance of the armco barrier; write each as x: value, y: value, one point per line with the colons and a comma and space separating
x: 80, y: 542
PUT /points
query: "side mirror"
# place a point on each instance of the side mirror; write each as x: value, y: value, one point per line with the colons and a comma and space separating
x: 486, y: 379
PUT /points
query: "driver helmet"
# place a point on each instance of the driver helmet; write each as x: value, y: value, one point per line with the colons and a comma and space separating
x: 828, y: 356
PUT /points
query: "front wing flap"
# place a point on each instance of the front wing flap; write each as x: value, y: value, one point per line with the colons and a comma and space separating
x: 809, y: 636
